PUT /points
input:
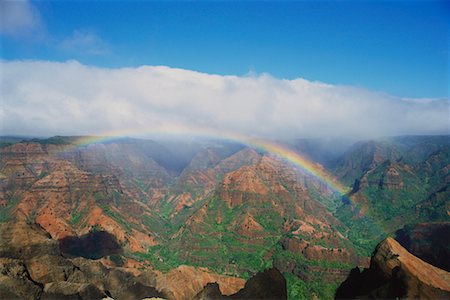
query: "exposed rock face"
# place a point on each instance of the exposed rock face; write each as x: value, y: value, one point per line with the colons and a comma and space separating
x: 316, y: 252
x: 391, y: 179
x: 211, y: 291
x: 225, y: 207
x: 269, y: 284
x: 68, y: 290
x: 270, y: 178
x: 428, y: 241
x: 15, y: 281
x: 386, y: 176
x: 398, y: 181
x: 248, y: 227
x: 245, y: 157
x: 199, y: 175
x: 250, y: 209
x: 120, y: 158
x: 364, y: 156
x: 311, y: 252
x: 396, y: 273
x: 68, y: 191
x: 184, y: 282
x: 31, y: 267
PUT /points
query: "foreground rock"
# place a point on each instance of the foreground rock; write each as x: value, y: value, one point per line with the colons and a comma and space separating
x: 269, y: 284
x: 31, y: 267
x: 184, y: 282
x: 396, y: 273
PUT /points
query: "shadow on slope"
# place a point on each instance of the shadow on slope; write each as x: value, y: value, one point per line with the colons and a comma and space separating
x: 93, y: 245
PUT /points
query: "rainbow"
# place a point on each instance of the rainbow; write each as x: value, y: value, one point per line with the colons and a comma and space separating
x: 277, y: 149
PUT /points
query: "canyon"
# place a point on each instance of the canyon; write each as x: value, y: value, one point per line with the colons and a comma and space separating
x: 134, y: 218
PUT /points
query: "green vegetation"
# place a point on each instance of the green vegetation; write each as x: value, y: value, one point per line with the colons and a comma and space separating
x: 117, y: 260
x: 211, y: 234
x: 166, y: 209
x: 363, y: 231
x: 156, y: 224
x: 212, y: 242
x: 5, y: 144
x: 330, y: 202
x: 6, y: 141
x: 417, y: 193
x: 76, y: 217
x: 214, y: 245
x: 55, y: 140
x: 5, y: 212
x: 116, y: 217
x: 285, y: 256
x: 42, y: 175
x: 213, y: 237
x: 298, y: 289
x: 160, y: 258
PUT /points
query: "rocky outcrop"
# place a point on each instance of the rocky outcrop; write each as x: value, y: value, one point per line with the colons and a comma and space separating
x: 69, y: 290
x: 245, y: 157
x: 225, y: 207
x: 391, y: 179
x: 251, y: 206
x: 70, y: 192
x: 364, y: 156
x: 428, y: 241
x: 317, y: 252
x: 248, y: 227
x: 385, y: 176
x: 31, y: 267
x: 269, y: 284
x: 16, y: 282
x: 184, y: 282
x: 396, y: 273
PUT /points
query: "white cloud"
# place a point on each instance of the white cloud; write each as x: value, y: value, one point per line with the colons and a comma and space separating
x: 18, y: 18
x: 21, y: 19
x: 84, y: 42
x: 48, y: 98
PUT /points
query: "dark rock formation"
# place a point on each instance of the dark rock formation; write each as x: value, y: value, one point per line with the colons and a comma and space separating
x: 31, y: 267
x: 69, y: 290
x: 396, y: 273
x: 15, y: 281
x: 211, y: 291
x: 269, y: 284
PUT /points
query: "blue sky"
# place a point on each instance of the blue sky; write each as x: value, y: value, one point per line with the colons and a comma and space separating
x: 400, y: 48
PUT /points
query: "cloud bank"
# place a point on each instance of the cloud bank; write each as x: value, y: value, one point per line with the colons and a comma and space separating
x: 50, y: 98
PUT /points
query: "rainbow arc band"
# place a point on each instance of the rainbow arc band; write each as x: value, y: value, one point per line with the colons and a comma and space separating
x: 274, y: 148
x: 266, y: 145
